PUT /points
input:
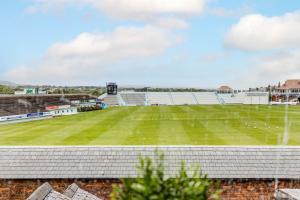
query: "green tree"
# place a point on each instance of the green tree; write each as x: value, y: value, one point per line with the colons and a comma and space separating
x: 6, y: 90
x: 151, y: 184
x: 96, y: 92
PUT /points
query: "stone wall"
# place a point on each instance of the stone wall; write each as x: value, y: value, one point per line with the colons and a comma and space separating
x: 231, y: 190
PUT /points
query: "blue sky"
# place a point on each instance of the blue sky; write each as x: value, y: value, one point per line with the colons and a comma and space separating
x: 196, y: 43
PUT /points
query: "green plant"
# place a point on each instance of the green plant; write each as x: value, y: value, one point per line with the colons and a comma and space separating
x: 6, y: 90
x: 152, y: 184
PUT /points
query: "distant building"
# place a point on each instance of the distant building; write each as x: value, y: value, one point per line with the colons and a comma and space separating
x: 30, y: 91
x: 287, y: 92
x: 258, y: 89
x: 289, y: 87
x: 257, y: 98
x: 225, y: 89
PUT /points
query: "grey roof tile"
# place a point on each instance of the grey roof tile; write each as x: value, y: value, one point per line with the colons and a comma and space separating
x: 292, y: 194
x: 45, y: 192
x: 121, y: 161
x: 76, y: 193
x: 55, y: 196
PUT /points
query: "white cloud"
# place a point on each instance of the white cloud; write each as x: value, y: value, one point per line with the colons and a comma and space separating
x: 171, y: 23
x: 223, y: 12
x: 128, y: 9
x: 269, y: 69
x: 144, y: 9
x: 280, y: 65
x: 257, y: 32
x: 91, y: 55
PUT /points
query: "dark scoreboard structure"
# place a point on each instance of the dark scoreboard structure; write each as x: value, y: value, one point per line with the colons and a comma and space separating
x: 111, y: 88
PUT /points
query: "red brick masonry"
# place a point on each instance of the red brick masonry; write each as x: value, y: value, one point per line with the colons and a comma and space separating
x: 231, y: 190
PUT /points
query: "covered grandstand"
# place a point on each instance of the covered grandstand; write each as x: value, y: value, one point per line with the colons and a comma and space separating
x: 132, y: 98
x: 287, y: 92
x: 23, y: 104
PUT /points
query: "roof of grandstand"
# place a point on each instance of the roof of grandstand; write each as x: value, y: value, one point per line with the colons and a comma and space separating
x: 162, y: 98
x: 22, y: 104
x: 224, y: 88
x: 290, y: 84
x: 183, y: 98
x: 221, y: 162
x: 43, y: 95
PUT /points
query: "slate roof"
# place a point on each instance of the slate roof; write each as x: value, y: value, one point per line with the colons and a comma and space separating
x: 221, y: 162
x: 55, y: 196
x: 291, y: 194
x: 76, y: 193
x: 73, y: 192
x: 45, y: 192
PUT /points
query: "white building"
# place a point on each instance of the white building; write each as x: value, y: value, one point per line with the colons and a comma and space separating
x: 256, y: 98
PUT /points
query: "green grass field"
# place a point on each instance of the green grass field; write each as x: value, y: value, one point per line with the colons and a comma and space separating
x: 166, y: 125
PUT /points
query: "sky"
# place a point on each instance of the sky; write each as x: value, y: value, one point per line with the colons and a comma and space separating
x: 158, y: 43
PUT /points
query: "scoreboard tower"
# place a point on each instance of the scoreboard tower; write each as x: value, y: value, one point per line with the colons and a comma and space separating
x: 111, y: 88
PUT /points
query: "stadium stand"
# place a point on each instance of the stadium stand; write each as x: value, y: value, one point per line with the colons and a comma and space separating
x: 5, y: 112
x: 23, y: 104
x: 159, y: 98
x: 207, y: 98
x: 135, y: 99
x: 111, y: 100
x: 183, y: 98
x: 223, y: 95
x: 237, y: 98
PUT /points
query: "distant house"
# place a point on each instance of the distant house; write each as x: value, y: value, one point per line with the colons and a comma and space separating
x: 31, y: 91
x: 287, y: 92
x: 289, y: 87
x: 225, y: 89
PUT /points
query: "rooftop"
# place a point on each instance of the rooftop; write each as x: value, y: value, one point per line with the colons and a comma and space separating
x: 290, y: 194
x: 73, y: 192
x: 290, y: 84
x: 224, y: 88
x: 221, y: 162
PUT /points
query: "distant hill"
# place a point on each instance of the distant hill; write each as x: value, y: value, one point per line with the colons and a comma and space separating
x: 7, y: 83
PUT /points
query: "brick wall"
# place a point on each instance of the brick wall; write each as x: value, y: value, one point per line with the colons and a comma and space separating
x: 253, y: 189
x: 231, y: 190
x: 21, y: 189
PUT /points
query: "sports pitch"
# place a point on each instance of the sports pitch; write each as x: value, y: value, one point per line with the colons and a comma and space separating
x: 165, y: 125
